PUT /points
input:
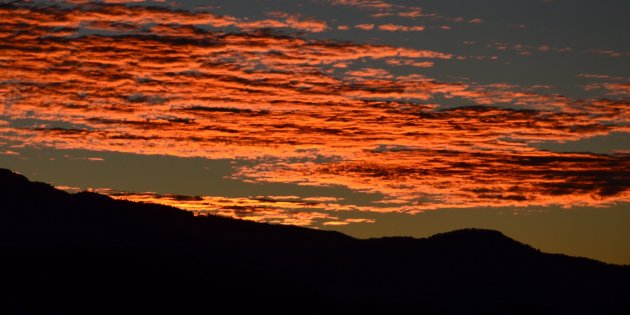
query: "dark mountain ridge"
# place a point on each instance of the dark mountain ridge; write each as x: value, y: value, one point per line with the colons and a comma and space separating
x: 87, y: 253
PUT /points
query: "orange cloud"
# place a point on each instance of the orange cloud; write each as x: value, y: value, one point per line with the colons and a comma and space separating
x: 364, y: 4
x: 306, y: 111
x: 120, y: 16
x: 612, y: 89
x: 365, y: 27
x: 399, y: 28
x: 285, y: 20
x: 383, y: 8
x: 308, y: 25
x: 370, y: 73
x: 420, y: 180
x: 618, y: 88
x: 409, y: 62
x: 412, y: 13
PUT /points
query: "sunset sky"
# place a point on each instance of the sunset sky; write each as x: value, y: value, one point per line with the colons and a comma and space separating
x: 374, y: 118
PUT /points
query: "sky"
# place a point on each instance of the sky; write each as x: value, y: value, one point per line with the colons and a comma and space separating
x: 370, y: 117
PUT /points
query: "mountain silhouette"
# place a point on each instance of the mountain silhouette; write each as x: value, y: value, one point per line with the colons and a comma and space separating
x: 86, y: 253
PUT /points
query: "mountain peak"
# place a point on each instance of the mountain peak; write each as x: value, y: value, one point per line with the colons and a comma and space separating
x: 7, y: 176
x: 477, y: 232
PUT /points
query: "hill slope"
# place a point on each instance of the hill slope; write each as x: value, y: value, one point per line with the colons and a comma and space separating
x: 87, y: 253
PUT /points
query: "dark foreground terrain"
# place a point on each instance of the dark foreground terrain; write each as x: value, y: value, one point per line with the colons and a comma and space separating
x: 85, y: 253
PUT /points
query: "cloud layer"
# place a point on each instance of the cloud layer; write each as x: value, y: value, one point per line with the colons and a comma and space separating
x: 151, y: 80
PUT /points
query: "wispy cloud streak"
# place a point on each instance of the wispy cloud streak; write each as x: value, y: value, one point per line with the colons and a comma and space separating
x: 291, y: 210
